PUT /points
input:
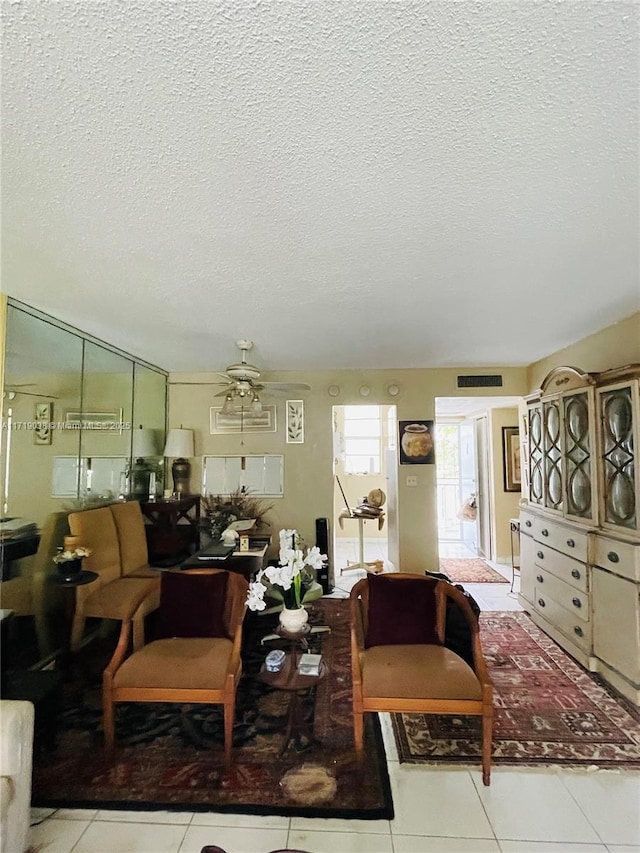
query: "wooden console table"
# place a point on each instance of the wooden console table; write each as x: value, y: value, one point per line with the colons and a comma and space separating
x: 171, y: 526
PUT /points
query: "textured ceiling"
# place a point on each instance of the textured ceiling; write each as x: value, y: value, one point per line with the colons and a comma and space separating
x: 349, y: 184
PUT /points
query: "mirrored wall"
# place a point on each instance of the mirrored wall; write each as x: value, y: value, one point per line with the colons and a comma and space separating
x: 78, y: 417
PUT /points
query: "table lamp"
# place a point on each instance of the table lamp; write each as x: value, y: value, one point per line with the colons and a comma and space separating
x: 180, y: 445
x: 143, y: 448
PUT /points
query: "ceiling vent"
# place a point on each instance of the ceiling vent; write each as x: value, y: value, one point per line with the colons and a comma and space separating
x: 480, y: 381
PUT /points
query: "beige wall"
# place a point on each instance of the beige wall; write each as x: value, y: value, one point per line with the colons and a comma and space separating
x: 614, y: 346
x: 309, y: 466
x: 505, y: 504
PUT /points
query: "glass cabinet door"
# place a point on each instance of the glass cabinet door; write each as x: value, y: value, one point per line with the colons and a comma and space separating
x: 618, y: 457
x: 552, y: 445
x: 577, y: 455
x: 536, y: 455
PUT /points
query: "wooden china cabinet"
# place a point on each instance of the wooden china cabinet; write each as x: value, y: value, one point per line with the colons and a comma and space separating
x: 580, y: 521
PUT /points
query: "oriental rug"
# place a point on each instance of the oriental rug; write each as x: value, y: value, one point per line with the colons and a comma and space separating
x: 547, y: 709
x: 472, y: 570
x: 171, y: 756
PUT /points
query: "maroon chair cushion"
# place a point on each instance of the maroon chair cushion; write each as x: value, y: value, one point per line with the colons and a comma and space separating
x: 192, y: 605
x: 402, y: 611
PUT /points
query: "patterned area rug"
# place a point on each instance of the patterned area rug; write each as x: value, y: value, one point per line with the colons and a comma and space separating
x: 547, y: 709
x: 171, y: 756
x: 472, y: 570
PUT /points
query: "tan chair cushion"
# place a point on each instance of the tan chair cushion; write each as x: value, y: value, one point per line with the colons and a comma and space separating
x: 112, y: 600
x: 417, y: 672
x: 134, y: 556
x: 96, y: 530
x: 177, y: 663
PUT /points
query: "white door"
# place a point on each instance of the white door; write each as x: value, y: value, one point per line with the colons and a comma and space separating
x: 484, y: 492
x: 468, y: 481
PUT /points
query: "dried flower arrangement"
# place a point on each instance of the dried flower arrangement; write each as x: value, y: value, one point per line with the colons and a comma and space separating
x: 220, y: 510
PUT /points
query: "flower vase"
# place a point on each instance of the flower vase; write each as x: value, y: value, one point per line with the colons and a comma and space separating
x: 70, y: 569
x: 293, y: 621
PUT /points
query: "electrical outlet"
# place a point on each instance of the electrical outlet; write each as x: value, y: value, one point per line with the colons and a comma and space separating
x: 412, y: 481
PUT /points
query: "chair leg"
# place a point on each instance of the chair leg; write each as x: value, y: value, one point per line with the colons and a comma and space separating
x: 138, y: 633
x: 358, y: 731
x: 108, y: 724
x: 229, y: 716
x: 487, y: 738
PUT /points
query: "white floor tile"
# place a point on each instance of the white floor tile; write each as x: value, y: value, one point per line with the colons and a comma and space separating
x: 549, y: 847
x: 436, y: 802
x: 623, y: 848
x: 533, y: 806
x: 121, y: 816
x: 126, y: 837
x: 74, y: 814
x: 422, y: 844
x: 248, y: 821
x: 57, y: 836
x: 338, y: 842
x: 234, y: 840
x: 388, y: 738
x: 371, y: 827
x: 611, y: 801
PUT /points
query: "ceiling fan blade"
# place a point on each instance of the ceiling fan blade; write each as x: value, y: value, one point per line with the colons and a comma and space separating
x: 201, y: 383
x: 33, y: 394
x: 285, y: 387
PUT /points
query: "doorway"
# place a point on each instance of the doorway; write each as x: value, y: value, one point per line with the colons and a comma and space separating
x: 364, y: 442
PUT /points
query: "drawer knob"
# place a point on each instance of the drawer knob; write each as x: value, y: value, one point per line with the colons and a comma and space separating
x: 575, y: 574
x: 578, y: 630
x: 539, y: 578
x: 576, y: 602
x: 571, y: 543
x: 544, y: 531
x: 541, y: 602
x: 613, y: 557
x: 540, y: 555
x: 527, y: 524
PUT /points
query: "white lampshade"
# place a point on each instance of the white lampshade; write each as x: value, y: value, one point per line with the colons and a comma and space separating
x: 144, y: 443
x: 179, y: 443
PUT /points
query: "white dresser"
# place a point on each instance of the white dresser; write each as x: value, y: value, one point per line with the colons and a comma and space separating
x: 580, y: 522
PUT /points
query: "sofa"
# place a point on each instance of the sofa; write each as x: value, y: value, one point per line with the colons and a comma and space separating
x: 16, y: 759
x: 115, y: 535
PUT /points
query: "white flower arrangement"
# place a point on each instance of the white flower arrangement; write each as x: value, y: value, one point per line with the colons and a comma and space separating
x: 66, y: 556
x: 288, y: 577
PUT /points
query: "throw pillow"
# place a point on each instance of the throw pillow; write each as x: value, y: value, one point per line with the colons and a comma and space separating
x: 402, y: 611
x: 192, y: 605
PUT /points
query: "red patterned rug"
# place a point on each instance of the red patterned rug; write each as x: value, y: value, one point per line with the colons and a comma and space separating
x: 473, y: 570
x: 170, y: 756
x: 547, y: 709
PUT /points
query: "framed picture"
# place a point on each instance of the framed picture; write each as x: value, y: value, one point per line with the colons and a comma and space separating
x: 511, y: 459
x: 110, y: 421
x: 242, y: 421
x: 42, y: 416
x: 416, y: 442
x: 295, y: 421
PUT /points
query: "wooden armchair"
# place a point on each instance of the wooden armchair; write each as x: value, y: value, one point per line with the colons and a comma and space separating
x: 196, y: 660
x: 399, y: 659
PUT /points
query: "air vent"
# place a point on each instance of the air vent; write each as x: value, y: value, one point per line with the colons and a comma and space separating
x: 479, y: 381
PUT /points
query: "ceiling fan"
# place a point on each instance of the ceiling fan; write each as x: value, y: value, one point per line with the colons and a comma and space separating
x: 11, y: 391
x: 242, y: 386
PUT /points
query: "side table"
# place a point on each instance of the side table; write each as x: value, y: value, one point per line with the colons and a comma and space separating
x: 299, y: 724
x: 171, y: 526
x: 84, y: 577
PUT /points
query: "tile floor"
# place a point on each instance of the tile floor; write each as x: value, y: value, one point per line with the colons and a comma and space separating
x: 550, y: 810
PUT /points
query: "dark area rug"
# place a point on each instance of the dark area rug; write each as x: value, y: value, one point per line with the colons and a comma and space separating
x: 470, y: 570
x: 547, y: 709
x: 171, y: 756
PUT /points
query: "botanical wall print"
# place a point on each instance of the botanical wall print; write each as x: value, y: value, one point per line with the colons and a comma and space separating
x: 42, y: 415
x: 295, y: 422
x: 511, y: 459
x: 416, y: 442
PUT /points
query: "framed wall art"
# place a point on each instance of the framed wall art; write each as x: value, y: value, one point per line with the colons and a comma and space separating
x: 512, y: 472
x: 416, y: 442
x: 242, y: 421
x: 110, y: 421
x: 295, y: 421
x: 42, y: 416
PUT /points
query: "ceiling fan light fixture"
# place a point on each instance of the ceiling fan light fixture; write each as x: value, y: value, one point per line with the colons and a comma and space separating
x: 256, y: 404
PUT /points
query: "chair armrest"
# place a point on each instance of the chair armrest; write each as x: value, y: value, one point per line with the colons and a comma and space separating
x: 479, y: 663
x: 125, y: 628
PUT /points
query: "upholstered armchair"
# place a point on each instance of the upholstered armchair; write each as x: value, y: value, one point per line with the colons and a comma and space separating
x: 110, y: 595
x: 399, y: 658
x: 197, y: 656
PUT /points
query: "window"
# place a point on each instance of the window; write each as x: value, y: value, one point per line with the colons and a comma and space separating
x: 362, y: 439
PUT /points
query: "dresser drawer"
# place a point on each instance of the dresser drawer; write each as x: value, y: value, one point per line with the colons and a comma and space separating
x: 527, y: 522
x: 566, y: 621
x: 567, y: 570
x: 622, y: 558
x: 568, y: 540
x: 566, y: 596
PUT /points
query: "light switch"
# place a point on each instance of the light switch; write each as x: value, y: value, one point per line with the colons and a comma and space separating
x: 412, y: 481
